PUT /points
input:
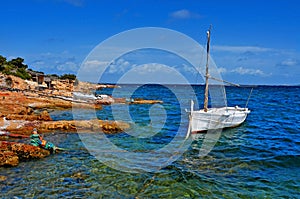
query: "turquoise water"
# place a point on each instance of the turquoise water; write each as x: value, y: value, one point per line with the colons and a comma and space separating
x: 259, y: 159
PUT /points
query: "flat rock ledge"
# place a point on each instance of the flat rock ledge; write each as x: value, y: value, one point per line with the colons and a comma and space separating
x: 11, y: 153
x: 25, y: 127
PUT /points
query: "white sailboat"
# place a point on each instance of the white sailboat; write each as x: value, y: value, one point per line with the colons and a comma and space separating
x: 214, y: 118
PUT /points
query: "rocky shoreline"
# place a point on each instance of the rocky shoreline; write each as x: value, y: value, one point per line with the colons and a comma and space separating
x: 23, y: 108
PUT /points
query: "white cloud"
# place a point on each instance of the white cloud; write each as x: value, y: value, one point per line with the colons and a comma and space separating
x: 119, y: 66
x: 37, y: 62
x: 67, y: 67
x: 77, y: 3
x: 152, y: 73
x: 247, y: 71
x: 152, y: 68
x: 91, y: 65
x: 240, y: 49
x: 183, y: 14
x: 222, y: 70
x: 189, y: 69
x: 289, y: 62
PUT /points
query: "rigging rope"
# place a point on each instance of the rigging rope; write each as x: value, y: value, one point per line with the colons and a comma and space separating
x: 249, y: 97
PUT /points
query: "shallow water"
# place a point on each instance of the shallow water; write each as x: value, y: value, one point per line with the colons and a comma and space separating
x: 259, y: 159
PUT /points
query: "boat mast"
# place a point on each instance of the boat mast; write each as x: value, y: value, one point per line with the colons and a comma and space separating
x: 206, y: 73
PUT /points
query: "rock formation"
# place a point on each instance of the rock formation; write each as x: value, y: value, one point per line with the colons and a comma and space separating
x: 12, y: 152
x: 25, y: 127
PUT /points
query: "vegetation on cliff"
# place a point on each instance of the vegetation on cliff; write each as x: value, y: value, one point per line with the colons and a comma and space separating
x: 14, y: 67
x: 18, y: 68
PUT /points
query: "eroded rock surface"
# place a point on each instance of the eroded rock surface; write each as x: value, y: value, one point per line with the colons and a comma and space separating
x: 12, y: 152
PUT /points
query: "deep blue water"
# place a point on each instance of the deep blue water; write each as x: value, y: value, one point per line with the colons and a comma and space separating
x: 259, y: 159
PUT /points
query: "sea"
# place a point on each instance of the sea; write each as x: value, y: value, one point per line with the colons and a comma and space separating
x: 258, y: 159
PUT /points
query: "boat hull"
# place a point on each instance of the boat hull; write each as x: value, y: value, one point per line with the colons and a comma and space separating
x: 217, y: 118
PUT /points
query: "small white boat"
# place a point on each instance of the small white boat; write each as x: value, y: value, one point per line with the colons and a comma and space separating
x: 214, y: 118
x: 83, y: 96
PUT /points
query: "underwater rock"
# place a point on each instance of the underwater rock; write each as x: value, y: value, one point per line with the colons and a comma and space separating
x: 3, y: 178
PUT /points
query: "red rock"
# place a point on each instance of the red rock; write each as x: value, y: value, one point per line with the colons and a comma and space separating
x: 45, y: 116
x: 8, y: 158
x: 12, y: 152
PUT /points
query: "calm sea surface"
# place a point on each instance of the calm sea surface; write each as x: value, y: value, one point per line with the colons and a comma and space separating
x: 259, y: 159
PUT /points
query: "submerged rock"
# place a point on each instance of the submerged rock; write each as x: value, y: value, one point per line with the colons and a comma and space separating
x: 3, y: 178
x: 12, y: 152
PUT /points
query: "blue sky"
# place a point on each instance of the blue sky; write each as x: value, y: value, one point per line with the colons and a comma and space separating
x: 253, y: 42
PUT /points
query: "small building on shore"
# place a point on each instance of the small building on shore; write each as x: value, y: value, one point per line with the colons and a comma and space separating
x: 37, y: 76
